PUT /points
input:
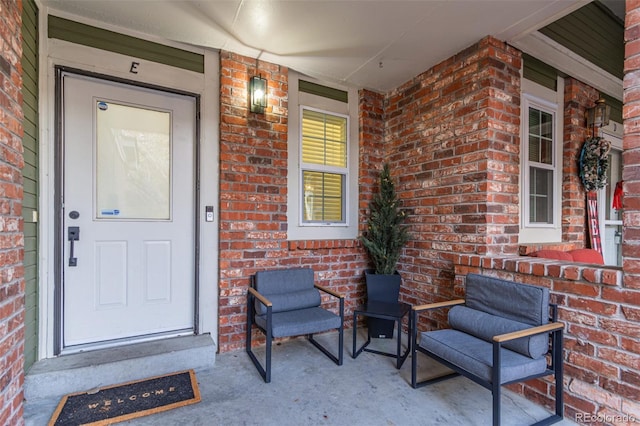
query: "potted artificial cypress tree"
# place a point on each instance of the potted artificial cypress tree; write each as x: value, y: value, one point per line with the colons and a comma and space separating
x: 384, y: 239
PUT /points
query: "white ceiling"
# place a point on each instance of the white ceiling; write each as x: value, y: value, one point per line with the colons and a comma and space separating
x: 371, y: 44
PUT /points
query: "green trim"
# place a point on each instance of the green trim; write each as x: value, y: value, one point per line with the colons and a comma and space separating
x: 324, y: 91
x: 593, y: 33
x: 30, y: 183
x: 616, y: 108
x: 111, y: 41
x: 545, y: 75
x: 539, y: 72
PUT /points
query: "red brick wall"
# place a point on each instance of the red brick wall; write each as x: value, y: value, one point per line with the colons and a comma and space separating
x: 602, y: 324
x: 372, y: 145
x: 629, y: 293
x: 454, y: 133
x: 631, y: 149
x: 577, y: 98
x: 452, y: 137
x: 11, y: 248
x: 253, y: 196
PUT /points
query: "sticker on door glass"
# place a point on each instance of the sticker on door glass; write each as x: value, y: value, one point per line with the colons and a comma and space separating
x: 103, y: 106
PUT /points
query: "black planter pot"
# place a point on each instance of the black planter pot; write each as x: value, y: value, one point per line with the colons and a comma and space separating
x: 382, y: 288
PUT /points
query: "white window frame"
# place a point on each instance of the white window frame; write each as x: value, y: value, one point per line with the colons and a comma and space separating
x: 552, y: 102
x: 297, y: 229
x: 320, y: 168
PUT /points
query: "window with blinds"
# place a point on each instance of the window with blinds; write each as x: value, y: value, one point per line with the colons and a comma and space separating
x: 541, y: 133
x: 541, y: 165
x: 324, y: 167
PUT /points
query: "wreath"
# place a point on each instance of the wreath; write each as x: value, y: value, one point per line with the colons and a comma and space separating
x: 594, y: 163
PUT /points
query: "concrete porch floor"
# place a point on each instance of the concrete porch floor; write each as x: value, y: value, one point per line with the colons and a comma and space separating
x: 309, y: 389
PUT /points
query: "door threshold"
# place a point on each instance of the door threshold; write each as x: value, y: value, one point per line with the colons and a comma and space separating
x: 82, y: 371
x: 129, y: 341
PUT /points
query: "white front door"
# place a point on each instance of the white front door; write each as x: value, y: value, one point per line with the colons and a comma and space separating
x: 128, y: 222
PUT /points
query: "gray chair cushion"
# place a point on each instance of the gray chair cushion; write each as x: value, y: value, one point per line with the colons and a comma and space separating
x: 519, y: 302
x: 283, y: 280
x: 291, y: 301
x: 476, y: 355
x: 484, y: 326
x: 303, y: 321
x: 286, y: 289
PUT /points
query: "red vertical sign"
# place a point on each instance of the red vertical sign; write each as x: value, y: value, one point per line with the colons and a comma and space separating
x: 592, y: 217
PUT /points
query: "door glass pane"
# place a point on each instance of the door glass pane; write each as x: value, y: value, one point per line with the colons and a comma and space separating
x: 133, y: 162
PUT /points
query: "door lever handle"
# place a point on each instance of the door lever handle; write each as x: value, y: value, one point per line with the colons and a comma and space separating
x: 73, y: 234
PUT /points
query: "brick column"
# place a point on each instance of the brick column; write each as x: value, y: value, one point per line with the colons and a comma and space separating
x: 500, y: 73
x: 253, y: 186
x: 577, y: 98
x: 631, y: 146
x: 629, y: 348
x: 12, y: 285
x: 371, y: 149
x: 454, y: 133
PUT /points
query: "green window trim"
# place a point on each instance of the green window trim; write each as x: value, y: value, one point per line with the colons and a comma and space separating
x: 539, y: 72
x: 324, y: 91
x: 87, y: 35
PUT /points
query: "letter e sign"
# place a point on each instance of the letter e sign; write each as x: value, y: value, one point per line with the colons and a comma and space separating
x: 134, y: 67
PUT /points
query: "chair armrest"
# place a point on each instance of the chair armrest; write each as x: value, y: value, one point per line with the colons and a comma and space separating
x: 260, y: 297
x: 546, y: 328
x: 437, y: 305
x: 329, y: 291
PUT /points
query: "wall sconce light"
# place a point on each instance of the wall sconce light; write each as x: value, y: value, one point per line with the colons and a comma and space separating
x: 598, y: 116
x: 258, y: 92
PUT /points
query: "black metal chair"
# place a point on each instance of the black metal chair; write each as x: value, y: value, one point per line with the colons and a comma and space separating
x: 499, y: 334
x: 285, y: 303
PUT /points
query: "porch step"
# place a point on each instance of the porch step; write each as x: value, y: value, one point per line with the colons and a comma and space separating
x: 55, y: 377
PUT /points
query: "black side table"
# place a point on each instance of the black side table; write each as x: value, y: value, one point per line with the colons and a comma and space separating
x: 390, y: 311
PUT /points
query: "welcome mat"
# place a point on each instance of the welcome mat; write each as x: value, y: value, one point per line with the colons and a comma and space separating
x: 126, y: 401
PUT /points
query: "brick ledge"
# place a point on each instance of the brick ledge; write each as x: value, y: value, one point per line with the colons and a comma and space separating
x: 571, y: 271
x: 322, y: 244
